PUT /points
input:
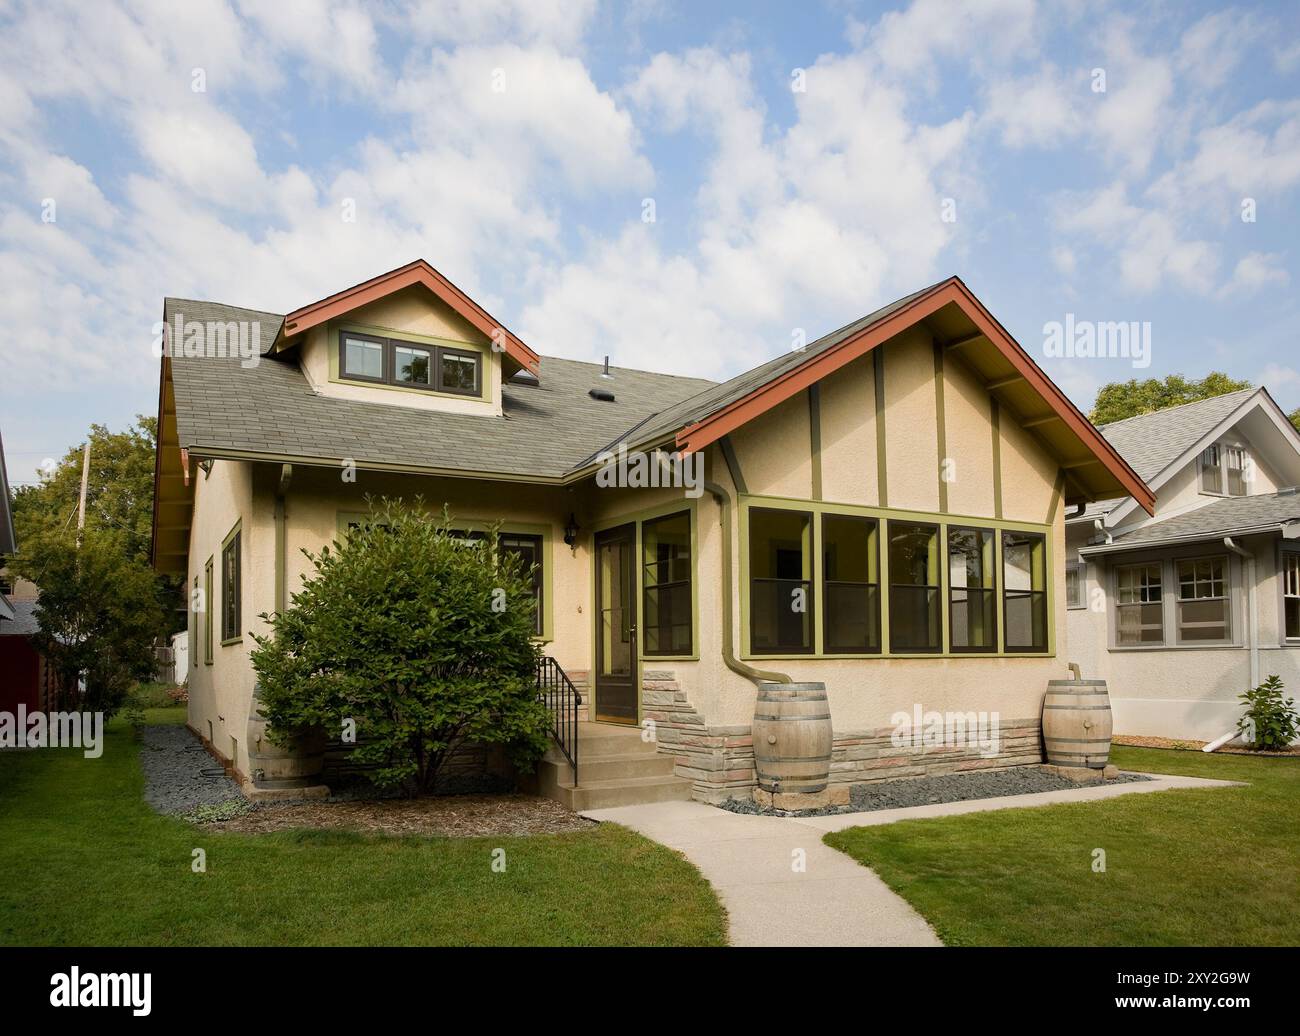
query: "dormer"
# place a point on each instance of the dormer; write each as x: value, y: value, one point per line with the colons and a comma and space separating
x: 407, y: 338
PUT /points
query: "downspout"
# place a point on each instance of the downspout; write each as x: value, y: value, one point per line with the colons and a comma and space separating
x: 1100, y: 525
x: 758, y: 676
x: 1252, y: 625
x: 281, y: 539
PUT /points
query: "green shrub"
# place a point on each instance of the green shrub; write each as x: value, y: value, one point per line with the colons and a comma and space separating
x: 420, y: 637
x: 1270, y: 722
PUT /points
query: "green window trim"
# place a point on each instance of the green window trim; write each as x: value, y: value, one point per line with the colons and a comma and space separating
x: 538, y: 530
x: 207, y: 611
x: 884, y: 515
x: 232, y: 586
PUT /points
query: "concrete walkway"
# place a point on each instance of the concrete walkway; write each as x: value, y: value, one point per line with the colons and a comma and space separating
x: 783, y: 887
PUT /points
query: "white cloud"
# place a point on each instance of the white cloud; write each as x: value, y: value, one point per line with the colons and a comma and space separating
x: 1254, y: 272
x: 558, y: 22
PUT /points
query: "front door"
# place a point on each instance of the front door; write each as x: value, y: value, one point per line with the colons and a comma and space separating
x: 616, y: 670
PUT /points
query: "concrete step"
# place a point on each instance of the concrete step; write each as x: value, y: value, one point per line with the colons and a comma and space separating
x: 627, y: 791
x: 616, y: 767
x: 599, y: 739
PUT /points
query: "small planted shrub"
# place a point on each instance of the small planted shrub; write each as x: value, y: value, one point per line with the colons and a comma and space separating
x: 1270, y: 722
x: 416, y: 637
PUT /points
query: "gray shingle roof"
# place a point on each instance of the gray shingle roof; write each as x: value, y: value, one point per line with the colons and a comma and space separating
x: 1229, y: 516
x: 270, y: 408
x: 1151, y: 442
x: 23, y: 624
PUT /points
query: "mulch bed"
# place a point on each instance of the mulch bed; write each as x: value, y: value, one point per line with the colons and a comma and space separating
x: 1134, y: 741
x: 451, y: 816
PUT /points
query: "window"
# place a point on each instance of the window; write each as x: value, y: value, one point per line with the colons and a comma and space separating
x: 780, y: 581
x: 230, y: 589
x: 363, y: 357
x: 1291, y: 595
x: 1236, y: 471
x: 527, y: 546
x: 666, y: 584
x: 458, y: 371
x: 850, y: 585
x: 972, y: 609
x: 207, y: 612
x: 1139, y: 606
x: 1211, y: 481
x: 1225, y: 470
x: 1203, y: 607
x: 1075, y: 584
x: 388, y: 361
x: 913, y: 587
x: 1024, y: 587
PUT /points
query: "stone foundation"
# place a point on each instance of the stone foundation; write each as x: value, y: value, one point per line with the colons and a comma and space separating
x: 719, y: 760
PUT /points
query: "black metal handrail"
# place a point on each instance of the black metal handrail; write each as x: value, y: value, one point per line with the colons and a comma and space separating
x: 558, y: 694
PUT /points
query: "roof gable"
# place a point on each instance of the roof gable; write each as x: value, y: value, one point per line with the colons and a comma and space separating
x: 1094, y: 468
x: 419, y: 272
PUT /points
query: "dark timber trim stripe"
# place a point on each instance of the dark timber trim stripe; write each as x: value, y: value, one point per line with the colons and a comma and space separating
x: 995, y: 414
x: 733, y: 465
x: 882, y: 475
x: 1057, y: 491
x: 940, y: 427
x: 815, y: 437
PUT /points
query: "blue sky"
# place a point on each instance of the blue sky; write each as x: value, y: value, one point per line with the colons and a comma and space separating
x: 805, y: 163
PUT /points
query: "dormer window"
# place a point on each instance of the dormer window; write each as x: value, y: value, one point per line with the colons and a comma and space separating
x: 1225, y: 470
x: 439, y: 368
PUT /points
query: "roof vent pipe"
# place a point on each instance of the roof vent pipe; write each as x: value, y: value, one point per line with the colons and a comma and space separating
x: 605, y: 373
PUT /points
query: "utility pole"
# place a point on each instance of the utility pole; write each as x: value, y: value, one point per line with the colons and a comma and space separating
x: 81, y: 502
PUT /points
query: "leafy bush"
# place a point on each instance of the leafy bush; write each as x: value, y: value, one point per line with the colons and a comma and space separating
x: 424, y: 639
x: 1270, y: 722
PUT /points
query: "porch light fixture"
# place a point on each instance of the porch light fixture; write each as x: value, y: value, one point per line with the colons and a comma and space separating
x: 571, y: 533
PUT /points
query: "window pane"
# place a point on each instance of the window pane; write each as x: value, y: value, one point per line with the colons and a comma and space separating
x: 529, y: 551
x: 459, y: 372
x: 913, y: 587
x: 1074, y: 585
x: 1200, y: 578
x: 851, y: 560
x: 230, y: 589
x: 1293, y: 618
x: 1203, y: 620
x: 780, y: 571
x: 1291, y: 594
x: 1139, y: 624
x: 412, y: 365
x: 971, y: 621
x: 1211, y: 478
x: 363, y: 358
x: 1235, y: 463
x: 1024, y: 581
x: 666, y: 556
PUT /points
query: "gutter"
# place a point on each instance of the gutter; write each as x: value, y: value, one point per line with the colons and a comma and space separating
x: 757, y: 676
x: 1115, y: 547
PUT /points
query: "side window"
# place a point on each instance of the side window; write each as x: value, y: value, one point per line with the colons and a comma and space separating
x: 914, y: 621
x: 666, y: 584
x: 1211, y: 474
x: 1075, y: 584
x: 972, y: 605
x: 1024, y: 589
x: 780, y: 581
x: 1139, y: 607
x: 231, y: 590
x: 1204, y: 610
x: 1291, y: 595
x: 850, y: 585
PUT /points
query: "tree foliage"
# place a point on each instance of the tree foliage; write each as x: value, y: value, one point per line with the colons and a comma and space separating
x: 119, y: 492
x: 1121, y: 399
x: 423, y: 638
x: 98, y: 614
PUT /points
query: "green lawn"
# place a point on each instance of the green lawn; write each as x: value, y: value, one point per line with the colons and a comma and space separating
x: 86, y: 862
x: 1213, y: 867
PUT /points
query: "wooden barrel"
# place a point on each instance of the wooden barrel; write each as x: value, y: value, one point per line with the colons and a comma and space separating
x: 1077, y: 723
x: 792, y: 737
x: 295, y: 765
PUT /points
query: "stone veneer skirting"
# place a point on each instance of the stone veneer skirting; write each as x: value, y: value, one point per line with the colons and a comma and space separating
x: 719, y: 760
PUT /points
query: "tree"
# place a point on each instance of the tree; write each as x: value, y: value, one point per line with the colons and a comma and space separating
x: 98, y: 614
x: 1295, y: 417
x: 119, y: 493
x: 421, y: 637
x: 1121, y: 399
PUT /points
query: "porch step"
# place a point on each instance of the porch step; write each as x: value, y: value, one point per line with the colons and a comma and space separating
x: 625, y: 791
x: 615, y: 768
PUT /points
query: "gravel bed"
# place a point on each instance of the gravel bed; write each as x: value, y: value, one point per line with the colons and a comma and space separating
x: 179, y: 775
x: 924, y: 791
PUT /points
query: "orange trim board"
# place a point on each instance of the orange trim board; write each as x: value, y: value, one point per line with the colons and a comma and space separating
x: 419, y: 272
x: 733, y: 415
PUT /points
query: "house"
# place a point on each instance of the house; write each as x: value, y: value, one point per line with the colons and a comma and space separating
x: 1182, y: 610
x: 882, y: 510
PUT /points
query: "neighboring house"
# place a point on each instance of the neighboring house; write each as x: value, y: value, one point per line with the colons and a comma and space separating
x: 24, y: 679
x: 882, y: 510
x: 1183, y: 610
